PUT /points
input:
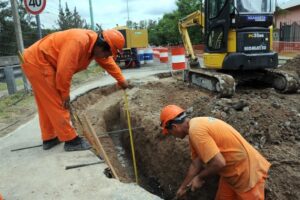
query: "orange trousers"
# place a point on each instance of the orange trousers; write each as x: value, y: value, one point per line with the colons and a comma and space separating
x: 53, y: 117
x: 226, y: 192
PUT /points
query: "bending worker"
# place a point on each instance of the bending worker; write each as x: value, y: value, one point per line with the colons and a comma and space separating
x: 217, y: 148
x: 49, y: 65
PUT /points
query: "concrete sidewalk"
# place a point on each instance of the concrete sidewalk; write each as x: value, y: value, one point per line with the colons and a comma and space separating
x: 35, y: 174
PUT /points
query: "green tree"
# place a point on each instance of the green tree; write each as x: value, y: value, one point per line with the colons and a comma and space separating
x: 129, y: 24
x: 186, y: 7
x: 143, y: 24
x: 7, y: 33
x: 68, y: 19
x: 166, y: 30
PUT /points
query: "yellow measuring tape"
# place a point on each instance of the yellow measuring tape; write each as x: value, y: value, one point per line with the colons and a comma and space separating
x: 131, y: 137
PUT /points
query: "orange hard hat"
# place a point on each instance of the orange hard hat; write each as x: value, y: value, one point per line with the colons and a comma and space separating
x: 115, y: 40
x: 168, y: 113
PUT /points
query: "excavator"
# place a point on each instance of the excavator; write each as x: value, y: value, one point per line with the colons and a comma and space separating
x: 237, y: 47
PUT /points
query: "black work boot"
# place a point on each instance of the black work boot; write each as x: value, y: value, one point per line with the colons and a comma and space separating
x: 48, y: 144
x: 77, y: 144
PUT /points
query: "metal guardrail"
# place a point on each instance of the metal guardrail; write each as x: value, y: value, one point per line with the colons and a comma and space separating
x: 10, y: 70
x: 16, y: 70
x: 9, y: 74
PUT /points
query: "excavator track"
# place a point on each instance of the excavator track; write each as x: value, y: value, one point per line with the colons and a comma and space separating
x: 223, y: 84
x: 283, y: 82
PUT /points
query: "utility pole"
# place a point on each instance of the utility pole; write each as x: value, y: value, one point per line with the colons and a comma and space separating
x: 127, y: 11
x: 18, y: 30
x: 91, y: 14
x: 59, y: 5
x: 19, y: 38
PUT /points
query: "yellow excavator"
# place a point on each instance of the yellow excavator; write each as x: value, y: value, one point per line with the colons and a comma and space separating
x: 237, y: 46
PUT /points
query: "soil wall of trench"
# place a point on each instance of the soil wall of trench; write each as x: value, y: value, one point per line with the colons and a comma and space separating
x: 268, y: 120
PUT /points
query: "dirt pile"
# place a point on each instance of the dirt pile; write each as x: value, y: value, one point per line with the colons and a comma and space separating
x: 292, y: 65
x: 268, y: 120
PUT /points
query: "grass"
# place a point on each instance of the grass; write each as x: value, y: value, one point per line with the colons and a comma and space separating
x: 14, y: 104
x: 3, y: 86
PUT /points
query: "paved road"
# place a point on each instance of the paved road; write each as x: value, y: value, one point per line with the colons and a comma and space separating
x: 35, y: 174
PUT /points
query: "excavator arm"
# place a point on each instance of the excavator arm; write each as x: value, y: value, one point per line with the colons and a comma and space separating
x: 195, y: 18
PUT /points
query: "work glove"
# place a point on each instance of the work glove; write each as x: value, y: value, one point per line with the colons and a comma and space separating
x: 66, y: 103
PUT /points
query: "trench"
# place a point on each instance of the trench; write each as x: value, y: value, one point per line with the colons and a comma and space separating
x: 161, y: 168
x: 270, y: 124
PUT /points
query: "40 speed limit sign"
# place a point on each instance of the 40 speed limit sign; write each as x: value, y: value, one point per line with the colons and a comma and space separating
x: 35, y: 6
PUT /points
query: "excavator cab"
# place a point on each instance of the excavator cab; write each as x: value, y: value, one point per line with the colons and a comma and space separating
x: 237, y: 46
x: 239, y: 35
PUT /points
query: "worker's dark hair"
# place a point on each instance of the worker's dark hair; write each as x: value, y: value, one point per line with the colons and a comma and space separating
x: 100, y: 42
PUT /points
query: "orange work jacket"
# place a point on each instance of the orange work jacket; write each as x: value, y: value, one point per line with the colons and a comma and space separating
x: 69, y: 52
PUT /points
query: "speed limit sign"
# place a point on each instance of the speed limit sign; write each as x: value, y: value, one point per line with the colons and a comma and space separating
x: 35, y: 6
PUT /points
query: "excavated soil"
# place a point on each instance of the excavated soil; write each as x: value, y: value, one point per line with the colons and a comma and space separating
x: 292, y: 65
x: 268, y: 120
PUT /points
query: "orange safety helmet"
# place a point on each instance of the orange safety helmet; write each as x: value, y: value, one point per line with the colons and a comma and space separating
x: 168, y: 113
x: 115, y: 40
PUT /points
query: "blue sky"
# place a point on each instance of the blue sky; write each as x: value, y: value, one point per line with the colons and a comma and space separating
x: 108, y: 13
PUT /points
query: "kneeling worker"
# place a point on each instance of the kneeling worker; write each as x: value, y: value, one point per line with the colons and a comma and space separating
x: 217, y: 148
x: 49, y: 65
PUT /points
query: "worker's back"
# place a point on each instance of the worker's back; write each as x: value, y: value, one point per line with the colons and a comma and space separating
x: 244, y: 165
x: 54, y: 46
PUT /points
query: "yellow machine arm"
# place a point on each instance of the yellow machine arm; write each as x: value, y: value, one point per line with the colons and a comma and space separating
x: 195, y: 18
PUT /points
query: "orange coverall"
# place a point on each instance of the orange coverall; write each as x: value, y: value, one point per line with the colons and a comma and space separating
x: 246, y: 169
x: 49, y: 65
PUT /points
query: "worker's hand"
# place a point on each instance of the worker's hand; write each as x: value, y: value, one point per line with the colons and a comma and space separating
x: 181, y: 193
x: 196, y: 183
x: 124, y: 85
x: 66, y: 103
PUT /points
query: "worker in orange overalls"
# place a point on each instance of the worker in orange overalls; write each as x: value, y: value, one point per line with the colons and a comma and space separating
x: 217, y: 148
x: 49, y: 65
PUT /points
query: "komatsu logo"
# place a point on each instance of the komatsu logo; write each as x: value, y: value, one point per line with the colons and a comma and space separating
x: 255, y: 35
x: 255, y: 48
x: 256, y: 18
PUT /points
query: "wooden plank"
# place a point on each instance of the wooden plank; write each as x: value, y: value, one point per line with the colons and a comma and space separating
x: 85, y: 133
x: 98, y: 144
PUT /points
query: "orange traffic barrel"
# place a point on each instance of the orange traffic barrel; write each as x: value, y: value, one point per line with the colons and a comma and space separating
x: 178, y: 58
x: 163, y: 55
x: 156, y: 52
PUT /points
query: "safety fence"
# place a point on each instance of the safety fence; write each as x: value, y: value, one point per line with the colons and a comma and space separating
x: 286, y: 47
